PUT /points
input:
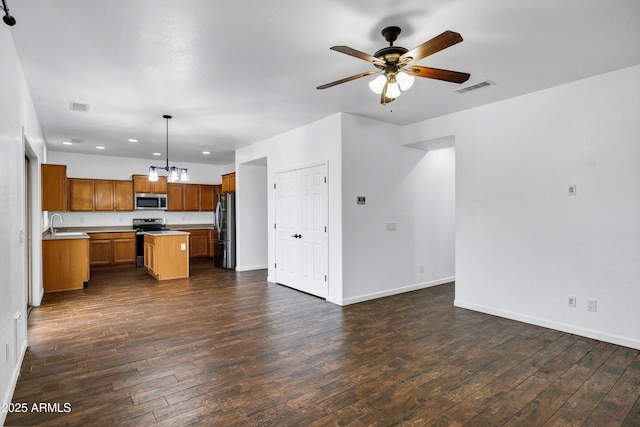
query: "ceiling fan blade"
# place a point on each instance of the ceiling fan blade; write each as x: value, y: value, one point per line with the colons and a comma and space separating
x: 436, y: 73
x: 357, y: 54
x: 347, y: 79
x: 436, y: 44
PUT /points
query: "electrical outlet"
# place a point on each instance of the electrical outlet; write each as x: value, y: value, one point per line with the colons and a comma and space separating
x: 592, y: 305
x: 183, y: 246
x: 572, y: 302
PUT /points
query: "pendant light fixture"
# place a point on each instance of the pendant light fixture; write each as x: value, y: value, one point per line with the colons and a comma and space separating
x: 175, y: 174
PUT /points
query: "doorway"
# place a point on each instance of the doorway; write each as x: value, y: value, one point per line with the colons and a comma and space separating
x: 301, y: 212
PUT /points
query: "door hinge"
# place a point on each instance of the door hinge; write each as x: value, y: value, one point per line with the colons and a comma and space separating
x: 274, y: 225
x: 325, y: 277
x: 274, y: 186
x: 275, y: 265
x: 325, y: 228
x: 325, y: 179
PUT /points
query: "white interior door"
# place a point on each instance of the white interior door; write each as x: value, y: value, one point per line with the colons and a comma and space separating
x: 301, y: 230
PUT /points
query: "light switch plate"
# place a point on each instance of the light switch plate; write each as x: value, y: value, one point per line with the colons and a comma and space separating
x: 573, y: 189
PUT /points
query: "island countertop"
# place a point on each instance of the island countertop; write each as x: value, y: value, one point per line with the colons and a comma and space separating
x: 166, y: 233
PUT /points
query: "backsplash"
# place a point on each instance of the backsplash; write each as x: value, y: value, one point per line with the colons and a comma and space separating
x: 102, y: 219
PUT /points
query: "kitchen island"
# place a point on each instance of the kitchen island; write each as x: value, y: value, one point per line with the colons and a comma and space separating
x: 166, y: 254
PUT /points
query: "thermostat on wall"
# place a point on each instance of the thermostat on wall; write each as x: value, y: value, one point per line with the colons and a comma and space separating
x: 361, y: 200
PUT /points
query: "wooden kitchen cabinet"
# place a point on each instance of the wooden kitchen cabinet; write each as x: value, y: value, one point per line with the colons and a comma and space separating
x: 123, y: 195
x: 53, y: 187
x: 199, y: 243
x: 103, y: 191
x: 208, y: 197
x: 112, y: 250
x: 65, y: 264
x: 191, y: 197
x: 141, y: 184
x: 167, y: 255
x: 81, y: 194
x: 229, y: 183
x: 175, y: 197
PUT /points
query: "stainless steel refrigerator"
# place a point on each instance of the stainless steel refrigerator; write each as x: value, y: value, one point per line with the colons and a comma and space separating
x: 225, y: 231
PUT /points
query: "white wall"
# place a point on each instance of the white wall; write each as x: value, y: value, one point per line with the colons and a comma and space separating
x: 311, y: 144
x: 16, y: 112
x: 522, y: 244
x: 410, y: 188
x: 251, y: 217
x: 106, y: 167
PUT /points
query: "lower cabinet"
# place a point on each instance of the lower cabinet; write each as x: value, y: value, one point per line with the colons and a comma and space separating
x: 112, y: 250
x: 65, y: 264
x: 200, y: 243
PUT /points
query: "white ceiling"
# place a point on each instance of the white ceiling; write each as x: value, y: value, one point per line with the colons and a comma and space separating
x: 236, y: 72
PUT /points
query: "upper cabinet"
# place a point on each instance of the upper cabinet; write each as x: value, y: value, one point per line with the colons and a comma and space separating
x: 208, y: 197
x: 81, y: 193
x: 100, y: 195
x: 123, y: 195
x: 191, y: 197
x: 54, y: 187
x: 229, y: 183
x: 141, y: 184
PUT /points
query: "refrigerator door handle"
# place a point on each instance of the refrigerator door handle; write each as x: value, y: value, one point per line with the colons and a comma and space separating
x: 218, y: 216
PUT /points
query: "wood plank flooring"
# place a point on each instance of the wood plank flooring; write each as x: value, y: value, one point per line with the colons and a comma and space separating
x: 227, y: 348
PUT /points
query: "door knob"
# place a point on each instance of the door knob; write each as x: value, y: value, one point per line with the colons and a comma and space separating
x: 296, y: 236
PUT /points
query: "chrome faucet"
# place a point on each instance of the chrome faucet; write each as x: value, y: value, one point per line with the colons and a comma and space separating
x: 51, y: 229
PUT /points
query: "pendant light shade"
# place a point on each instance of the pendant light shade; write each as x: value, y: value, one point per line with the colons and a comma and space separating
x: 175, y: 174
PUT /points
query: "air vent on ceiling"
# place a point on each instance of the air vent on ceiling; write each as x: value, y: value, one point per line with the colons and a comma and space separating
x: 475, y: 86
x: 76, y: 106
x: 77, y: 140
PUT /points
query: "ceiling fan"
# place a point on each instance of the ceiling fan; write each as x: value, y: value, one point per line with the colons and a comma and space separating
x: 396, y: 64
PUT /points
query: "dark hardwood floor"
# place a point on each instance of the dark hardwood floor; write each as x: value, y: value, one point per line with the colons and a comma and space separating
x: 226, y: 348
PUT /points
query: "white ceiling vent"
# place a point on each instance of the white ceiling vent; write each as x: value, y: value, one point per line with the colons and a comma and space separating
x: 77, y: 140
x: 475, y: 86
x: 76, y: 106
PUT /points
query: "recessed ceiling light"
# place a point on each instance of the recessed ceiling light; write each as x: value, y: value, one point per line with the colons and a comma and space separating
x: 157, y: 154
x: 100, y: 147
x: 67, y: 143
x: 133, y: 140
x: 206, y: 152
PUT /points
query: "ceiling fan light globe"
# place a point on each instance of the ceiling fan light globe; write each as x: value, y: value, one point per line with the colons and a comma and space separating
x: 393, y: 90
x: 376, y: 85
x: 405, y: 80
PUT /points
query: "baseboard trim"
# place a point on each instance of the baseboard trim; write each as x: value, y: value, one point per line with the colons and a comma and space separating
x: 390, y: 292
x: 13, y: 382
x: 252, y: 268
x: 545, y: 323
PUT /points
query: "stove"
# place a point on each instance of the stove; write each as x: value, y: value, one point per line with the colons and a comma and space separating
x: 141, y: 225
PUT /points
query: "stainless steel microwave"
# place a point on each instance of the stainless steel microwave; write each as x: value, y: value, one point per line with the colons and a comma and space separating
x: 150, y: 201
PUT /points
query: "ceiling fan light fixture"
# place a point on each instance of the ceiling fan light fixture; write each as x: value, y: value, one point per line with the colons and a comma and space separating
x: 404, y: 80
x: 376, y: 85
